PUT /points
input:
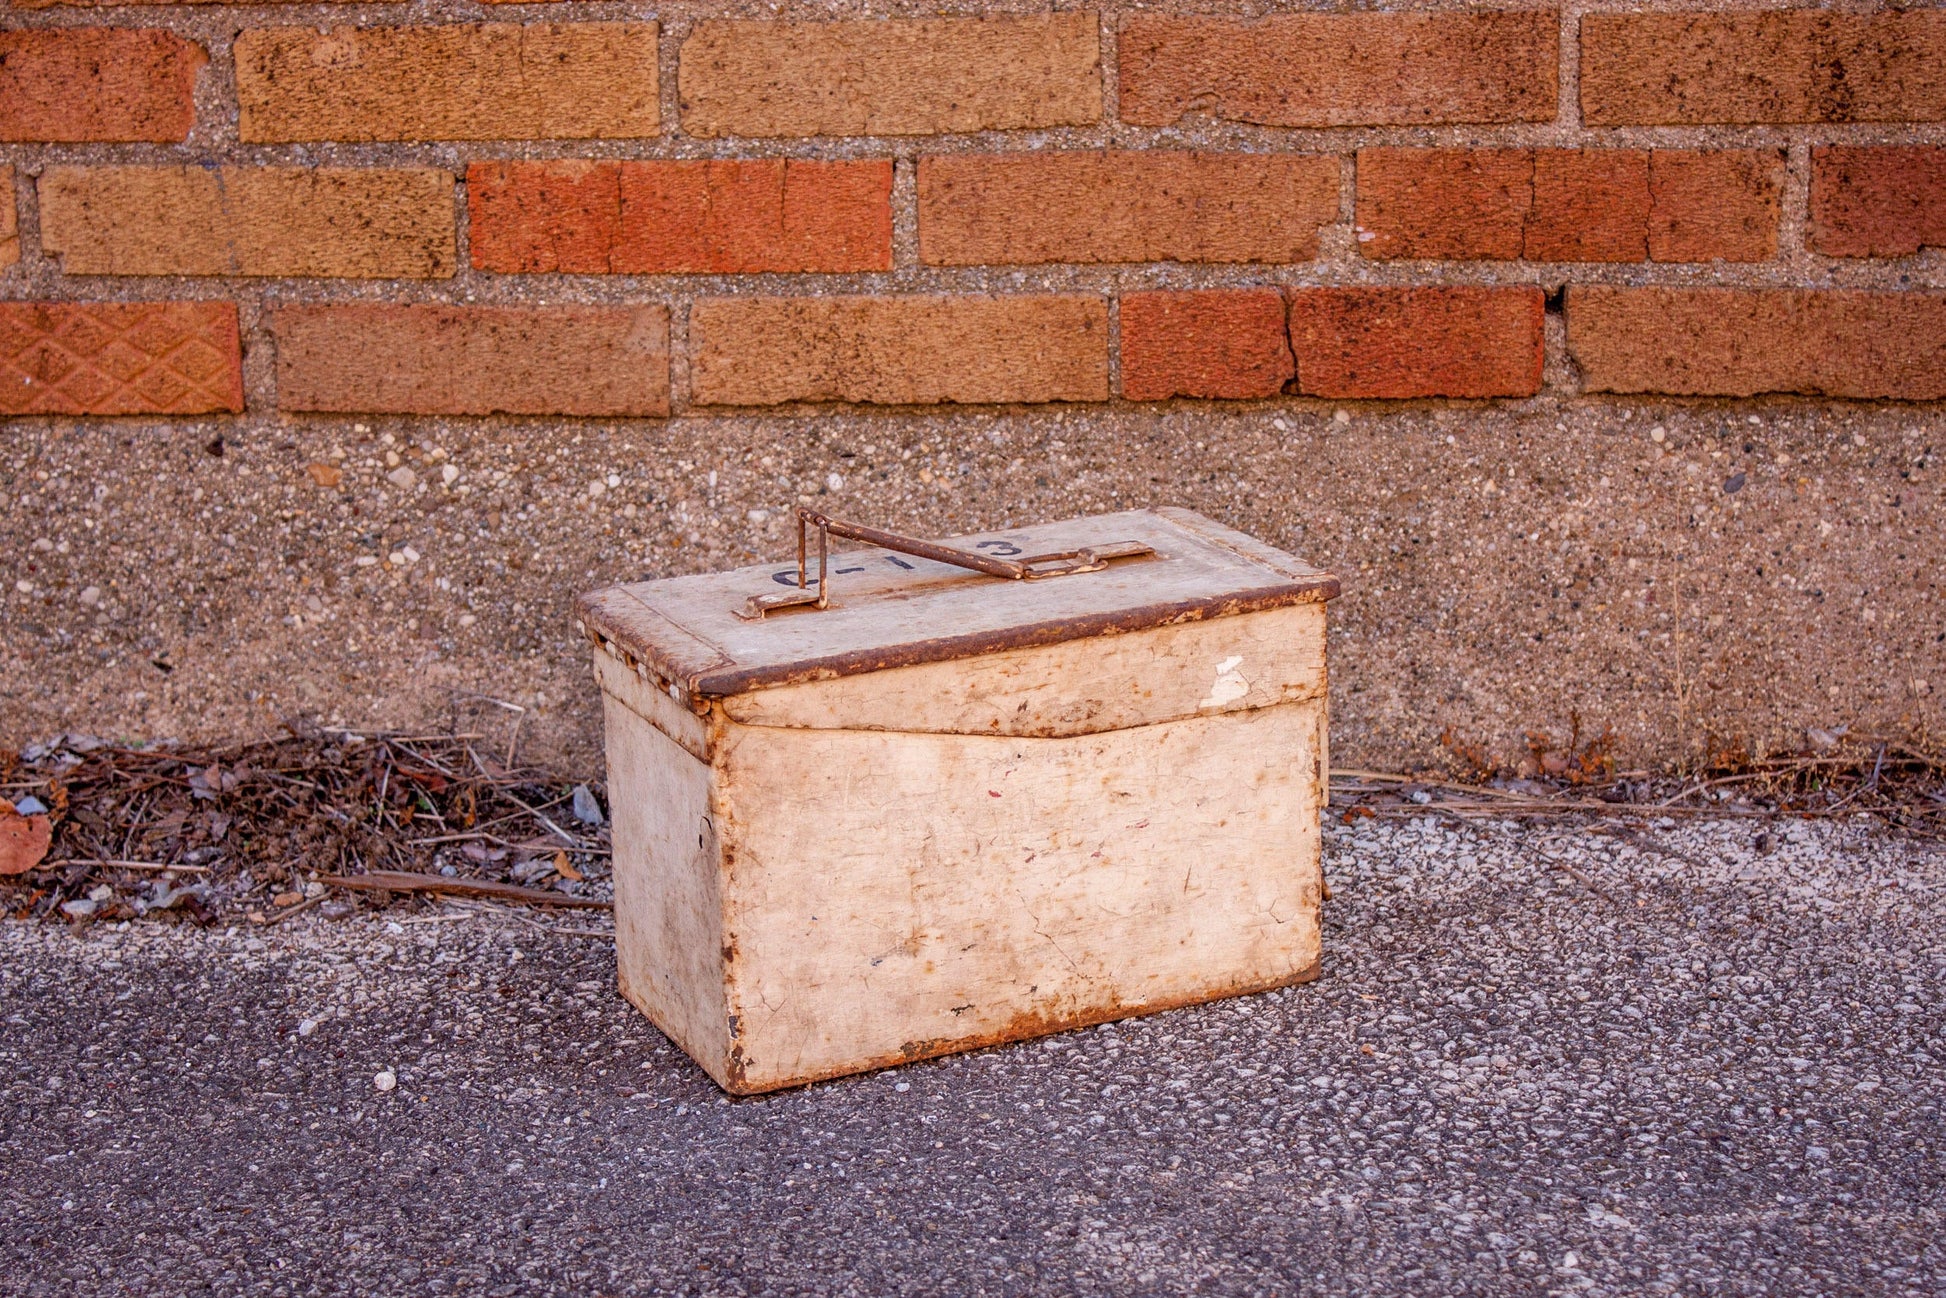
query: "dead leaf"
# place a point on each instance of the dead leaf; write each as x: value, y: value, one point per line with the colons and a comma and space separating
x: 23, y: 839
x: 567, y: 871
x: 326, y: 475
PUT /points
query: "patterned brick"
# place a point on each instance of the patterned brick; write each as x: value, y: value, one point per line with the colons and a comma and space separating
x: 1417, y: 342
x: 457, y: 81
x: 1358, y: 69
x: 449, y: 360
x: 1213, y: 343
x: 646, y: 218
x: 917, y: 350
x: 119, y: 358
x: 1731, y: 342
x: 76, y: 84
x: 1781, y: 65
x: 356, y: 222
x: 896, y: 76
x: 1124, y: 206
x: 1877, y: 202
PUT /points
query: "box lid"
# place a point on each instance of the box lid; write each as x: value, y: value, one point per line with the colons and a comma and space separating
x: 890, y: 609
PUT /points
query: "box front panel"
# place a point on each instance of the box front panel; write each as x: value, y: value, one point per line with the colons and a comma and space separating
x: 894, y: 895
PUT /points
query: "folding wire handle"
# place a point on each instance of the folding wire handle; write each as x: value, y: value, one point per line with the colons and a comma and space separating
x: 1092, y: 558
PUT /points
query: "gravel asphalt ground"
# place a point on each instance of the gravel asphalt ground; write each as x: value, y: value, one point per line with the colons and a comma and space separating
x: 1693, y: 1058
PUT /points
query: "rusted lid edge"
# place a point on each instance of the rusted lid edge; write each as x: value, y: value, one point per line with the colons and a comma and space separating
x: 722, y: 684
x: 601, y: 620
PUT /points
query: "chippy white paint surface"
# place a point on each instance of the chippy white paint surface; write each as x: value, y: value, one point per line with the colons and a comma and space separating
x: 796, y: 901
x: 1077, y: 687
x: 892, y: 894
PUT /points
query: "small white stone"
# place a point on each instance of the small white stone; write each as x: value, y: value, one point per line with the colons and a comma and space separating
x: 365, y: 560
x: 467, y: 619
x: 307, y: 1027
x: 91, y: 596
x: 385, y: 1080
x: 449, y: 474
x: 1341, y: 416
x: 834, y: 481
x: 403, y: 477
x: 902, y: 1086
x: 1658, y: 434
x: 614, y: 480
x: 411, y: 555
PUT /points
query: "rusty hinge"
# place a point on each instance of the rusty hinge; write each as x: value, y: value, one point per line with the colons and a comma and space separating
x: 1064, y: 563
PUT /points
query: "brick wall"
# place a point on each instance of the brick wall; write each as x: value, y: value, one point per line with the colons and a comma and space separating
x: 281, y: 216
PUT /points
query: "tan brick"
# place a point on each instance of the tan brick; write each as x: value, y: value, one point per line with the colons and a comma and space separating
x: 898, y: 76
x: 76, y: 84
x: 342, y: 222
x: 1877, y: 202
x: 722, y: 216
x: 9, y: 220
x: 1742, y: 342
x: 119, y: 358
x: 1208, y: 343
x: 1417, y: 342
x: 1444, y: 203
x: 1117, y: 206
x: 1363, y: 69
x: 1716, y: 205
x: 1795, y: 65
x: 917, y: 350
x: 451, y: 360
x: 475, y: 81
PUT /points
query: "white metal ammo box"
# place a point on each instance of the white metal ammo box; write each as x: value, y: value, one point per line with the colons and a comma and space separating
x: 923, y: 797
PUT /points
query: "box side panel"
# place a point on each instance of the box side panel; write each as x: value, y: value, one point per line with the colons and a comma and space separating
x: 896, y: 895
x: 668, y: 896
x: 1078, y: 687
x: 643, y: 695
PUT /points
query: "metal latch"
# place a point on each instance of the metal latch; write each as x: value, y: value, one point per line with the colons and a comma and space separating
x: 1063, y: 563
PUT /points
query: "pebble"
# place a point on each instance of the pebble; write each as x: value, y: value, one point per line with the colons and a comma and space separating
x: 587, y: 808
x: 30, y: 806
x: 384, y: 1080
x: 307, y: 1027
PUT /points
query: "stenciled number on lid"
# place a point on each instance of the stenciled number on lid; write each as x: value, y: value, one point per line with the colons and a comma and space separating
x: 1005, y: 549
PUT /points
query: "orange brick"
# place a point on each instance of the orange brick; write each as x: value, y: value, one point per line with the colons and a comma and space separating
x: 462, y: 81
x: 1450, y: 203
x: 896, y: 76
x: 1362, y: 69
x: 1417, y: 342
x: 354, y: 222
x: 899, y: 350
x: 1742, y: 342
x: 449, y: 360
x: 75, y: 84
x: 1877, y: 202
x: 1589, y: 205
x: 646, y: 218
x: 1720, y: 205
x: 1027, y: 208
x: 1792, y: 65
x: 1214, y: 343
x: 9, y: 220
x: 119, y: 358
